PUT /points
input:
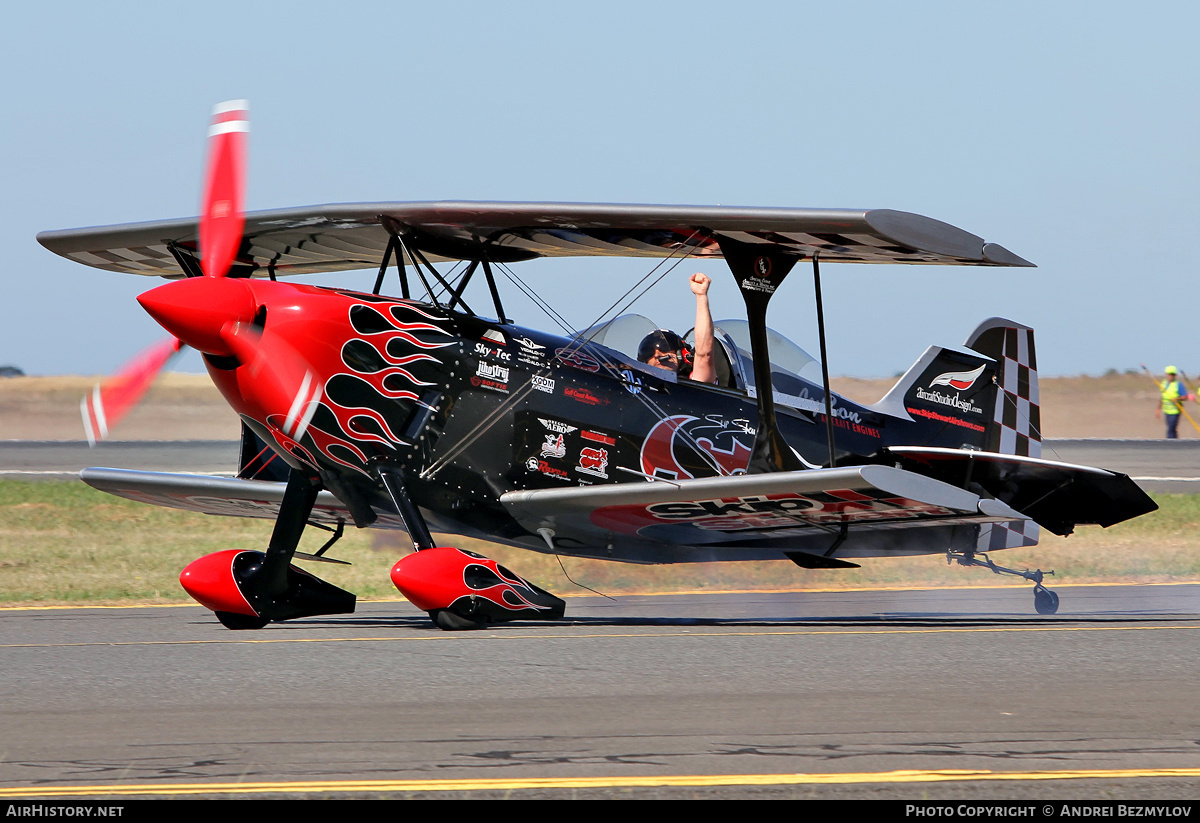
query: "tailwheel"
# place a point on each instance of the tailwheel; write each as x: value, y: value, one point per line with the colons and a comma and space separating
x: 448, y: 621
x: 238, y: 622
x: 1044, y: 600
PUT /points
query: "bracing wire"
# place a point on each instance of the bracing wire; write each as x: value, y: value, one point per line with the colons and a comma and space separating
x: 577, y: 343
x: 558, y: 557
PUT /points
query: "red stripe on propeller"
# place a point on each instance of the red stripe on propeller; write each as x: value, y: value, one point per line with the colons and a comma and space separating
x: 104, y: 408
x: 221, y: 216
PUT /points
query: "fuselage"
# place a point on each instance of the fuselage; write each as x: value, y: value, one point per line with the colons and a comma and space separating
x: 337, y: 381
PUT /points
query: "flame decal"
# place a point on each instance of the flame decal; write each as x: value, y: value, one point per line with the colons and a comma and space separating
x: 380, y: 372
x: 499, y: 585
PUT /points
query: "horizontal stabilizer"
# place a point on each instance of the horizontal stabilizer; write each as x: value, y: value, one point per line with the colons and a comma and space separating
x: 1057, y: 496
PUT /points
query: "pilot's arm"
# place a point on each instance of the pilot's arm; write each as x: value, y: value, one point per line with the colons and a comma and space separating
x: 703, y: 370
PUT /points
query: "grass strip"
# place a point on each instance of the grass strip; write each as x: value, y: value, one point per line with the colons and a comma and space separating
x: 64, y: 543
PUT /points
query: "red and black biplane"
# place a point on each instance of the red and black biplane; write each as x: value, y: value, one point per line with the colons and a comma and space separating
x: 418, y: 413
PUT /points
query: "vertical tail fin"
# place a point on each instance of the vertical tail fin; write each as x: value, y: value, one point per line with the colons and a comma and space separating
x: 984, y: 396
x: 1016, y: 424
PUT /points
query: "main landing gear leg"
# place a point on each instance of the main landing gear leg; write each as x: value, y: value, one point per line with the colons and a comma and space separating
x: 248, y: 589
x: 1044, y: 600
x: 459, y: 589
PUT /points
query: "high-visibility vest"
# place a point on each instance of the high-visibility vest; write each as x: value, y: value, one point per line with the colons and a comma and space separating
x: 1173, y: 396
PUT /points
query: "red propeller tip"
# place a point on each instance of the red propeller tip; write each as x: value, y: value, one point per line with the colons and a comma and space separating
x: 104, y: 407
x: 221, y: 219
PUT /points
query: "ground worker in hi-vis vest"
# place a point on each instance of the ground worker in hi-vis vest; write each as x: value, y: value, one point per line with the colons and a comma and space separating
x: 1173, y: 396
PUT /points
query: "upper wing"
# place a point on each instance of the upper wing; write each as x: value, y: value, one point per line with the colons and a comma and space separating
x: 342, y: 237
x: 885, y: 511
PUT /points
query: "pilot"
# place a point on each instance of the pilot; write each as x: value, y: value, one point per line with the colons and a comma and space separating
x: 666, y: 350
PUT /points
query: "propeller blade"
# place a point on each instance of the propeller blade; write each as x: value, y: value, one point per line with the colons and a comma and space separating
x: 221, y: 218
x: 281, y: 378
x: 108, y: 404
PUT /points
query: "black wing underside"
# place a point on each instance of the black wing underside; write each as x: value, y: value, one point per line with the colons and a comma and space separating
x: 748, y: 517
x: 332, y: 238
x: 862, y: 511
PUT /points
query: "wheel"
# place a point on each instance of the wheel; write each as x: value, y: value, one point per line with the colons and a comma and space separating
x: 448, y: 621
x: 1045, y: 601
x: 238, y: 622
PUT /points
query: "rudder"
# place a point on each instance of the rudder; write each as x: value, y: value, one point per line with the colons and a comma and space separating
x: 1016, y: 425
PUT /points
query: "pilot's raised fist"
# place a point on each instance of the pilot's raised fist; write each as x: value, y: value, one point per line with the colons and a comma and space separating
x: 700, y: 283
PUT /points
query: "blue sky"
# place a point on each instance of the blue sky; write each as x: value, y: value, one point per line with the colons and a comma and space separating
x: 1067, y: 132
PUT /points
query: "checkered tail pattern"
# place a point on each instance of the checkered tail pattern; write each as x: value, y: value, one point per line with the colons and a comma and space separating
x: 1016, y: 417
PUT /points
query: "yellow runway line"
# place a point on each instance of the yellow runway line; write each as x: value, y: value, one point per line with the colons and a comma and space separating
x: 518, y: 784
x: 463, y: 637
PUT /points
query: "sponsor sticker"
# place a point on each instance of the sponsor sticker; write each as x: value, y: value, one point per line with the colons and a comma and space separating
x: 527, y: 343
x: 578, y: 359
x: 597, y: 437
x: 556, y: 425
x: 531, y: 353
x: 956, y: 400
x: 488, y: 351
x: 492, y: 372
x: 955, y: 382
x: 585, y: 396
x: 593, y: 462
x: 543, y: 384
x: 760, y: 284
x: 774, y: 511
x: 496, y: 336
x: 492, y: 377
x: 941, y: 418
x: 961, y: 380
x: 554, y: 446
x: 542, y: 467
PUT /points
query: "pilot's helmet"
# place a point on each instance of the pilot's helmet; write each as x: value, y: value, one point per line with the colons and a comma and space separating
x: 665, y: 340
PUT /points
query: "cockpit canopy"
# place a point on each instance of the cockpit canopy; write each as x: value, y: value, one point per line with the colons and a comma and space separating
x: 791, y: 366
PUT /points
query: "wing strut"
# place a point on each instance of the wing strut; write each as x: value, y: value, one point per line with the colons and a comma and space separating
x: 824, y: 363
x: 387, y: 258
x: 759, y: 270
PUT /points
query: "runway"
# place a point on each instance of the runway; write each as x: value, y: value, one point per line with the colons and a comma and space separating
x: 955, y: 693
x: 1157, y: 465
x: 901, y: 694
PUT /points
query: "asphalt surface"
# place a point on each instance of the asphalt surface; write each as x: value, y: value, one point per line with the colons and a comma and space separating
x: 1157, y: 465
x: 63, y: 459
x: 851, y: 686
x: 897, y: 695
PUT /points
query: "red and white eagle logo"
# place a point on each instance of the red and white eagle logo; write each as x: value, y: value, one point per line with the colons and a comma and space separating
x: 960, y: 380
